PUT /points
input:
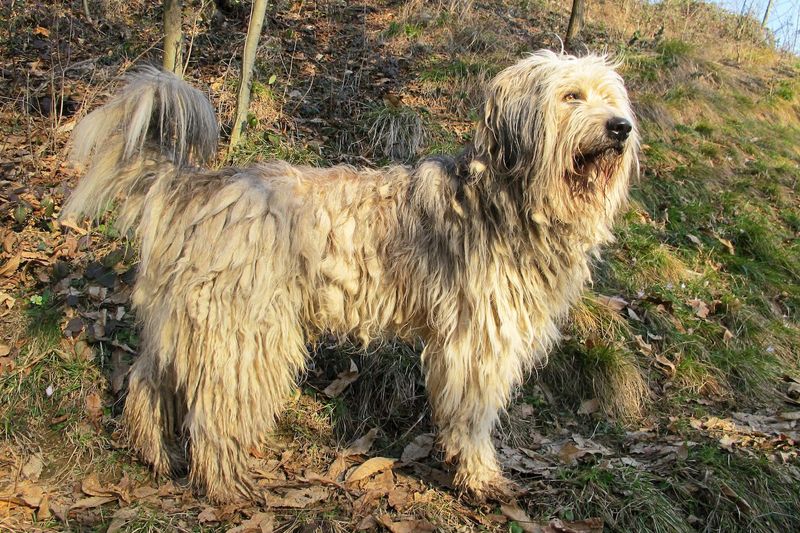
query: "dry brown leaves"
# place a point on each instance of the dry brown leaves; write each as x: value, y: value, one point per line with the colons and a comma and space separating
x: 570, y: 451
x: 615, y: 303
x: 370, y: 467
x: 296, y: 498
x: 419, y: 448
x: 405, y: 526
x: 699, y: 307
x: 343, y: 380
x: 776, y: 434
x: 257, y: 523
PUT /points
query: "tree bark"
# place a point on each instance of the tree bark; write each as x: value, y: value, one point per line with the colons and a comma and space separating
x: 575, y: 20
x: 173, y: 37
x: 257, y: 13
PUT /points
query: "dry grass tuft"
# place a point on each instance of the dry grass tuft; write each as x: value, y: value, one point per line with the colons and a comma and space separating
x: 397, y: 133
x: 594, y: 363
x: 610, y: 373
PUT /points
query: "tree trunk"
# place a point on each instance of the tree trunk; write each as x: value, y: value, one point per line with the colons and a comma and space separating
x: 173, y: 37
x: 257, y: 13
x: 575, y: 20
x: 766, y: 14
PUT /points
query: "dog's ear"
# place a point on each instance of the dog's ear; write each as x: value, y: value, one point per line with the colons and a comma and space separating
x: 507, y: 132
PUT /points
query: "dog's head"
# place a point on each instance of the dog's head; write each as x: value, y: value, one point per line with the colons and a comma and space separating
x: 561, y: 128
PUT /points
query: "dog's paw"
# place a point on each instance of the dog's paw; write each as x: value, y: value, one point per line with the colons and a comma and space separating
x: 498, y: 489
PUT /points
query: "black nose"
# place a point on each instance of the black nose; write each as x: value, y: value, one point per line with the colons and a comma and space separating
x: 618, y: 128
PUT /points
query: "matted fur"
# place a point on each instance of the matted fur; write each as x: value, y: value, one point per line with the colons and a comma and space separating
x: 480, y: 256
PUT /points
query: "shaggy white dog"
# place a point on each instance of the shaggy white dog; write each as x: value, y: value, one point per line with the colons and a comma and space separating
x: 480, y: 256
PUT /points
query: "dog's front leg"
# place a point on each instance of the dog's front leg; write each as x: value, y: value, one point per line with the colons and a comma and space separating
x: 467, y: 392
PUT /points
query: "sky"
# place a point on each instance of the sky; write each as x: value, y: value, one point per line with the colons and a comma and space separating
x: 783, y: 19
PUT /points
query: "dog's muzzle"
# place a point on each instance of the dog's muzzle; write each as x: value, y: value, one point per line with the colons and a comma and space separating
x: 618, y: 129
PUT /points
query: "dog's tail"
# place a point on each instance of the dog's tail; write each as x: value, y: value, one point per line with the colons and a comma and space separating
x: 155, y: 127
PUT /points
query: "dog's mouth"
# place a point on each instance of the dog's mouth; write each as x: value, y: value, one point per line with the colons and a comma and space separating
x: 593, y: 169
x: 588, y: 162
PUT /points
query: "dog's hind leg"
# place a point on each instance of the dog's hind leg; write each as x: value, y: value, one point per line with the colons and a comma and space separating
x: 152, y: 416
x: 240, y: 373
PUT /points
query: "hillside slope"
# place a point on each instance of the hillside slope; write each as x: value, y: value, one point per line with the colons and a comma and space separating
x: 673, y: 403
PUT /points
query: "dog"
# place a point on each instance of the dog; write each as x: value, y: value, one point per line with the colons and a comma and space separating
x: 480, y: 256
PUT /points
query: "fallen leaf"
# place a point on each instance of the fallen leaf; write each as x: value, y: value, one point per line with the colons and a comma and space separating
x: 699, y: 307
x: 73, y: 327
x: 570, y: 452
x: 367, y: 502
x: 144, y: 492
x: 33, y: 468
x: 382, y: 483
x: 630, y: 461
x: 44, y: 32
x: 515, y: 513
x: 91, y: 486
x: 91, y: 502
x: 120, y: 518
x: 5, y: 349
x: 632, y: 314
x: 6, y: 365
x: 297, y: 498
x: 369, y: 468
x: 343, y: 381
x: 119, y: 369
x: 60, y: 511
x: 32, y: 495
x: 362, y: 445
x: 94, y: 407
x: 668, y: 367
x: 11, y: 265
x: 9, y: 240
x: 368, y: 522
x: 726, y: 335
x: 338, y: 466
x: 590, y: 525
x: 522, y: 460
x: 727, y: 244
x: 695, y: 240
x: 68, y: 223
x: 405, y: 526
x: 400, y: 499
x: 645, y: 347
x: 258, y: 523
x: 417, y: 449
x: 6, y: 303
x: 612, y: 302
x: 589, y: 406
x: 43, y: 512
x: 207, y: 515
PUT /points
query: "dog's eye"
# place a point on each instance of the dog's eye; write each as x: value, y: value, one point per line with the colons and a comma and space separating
x: 571, y: 97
